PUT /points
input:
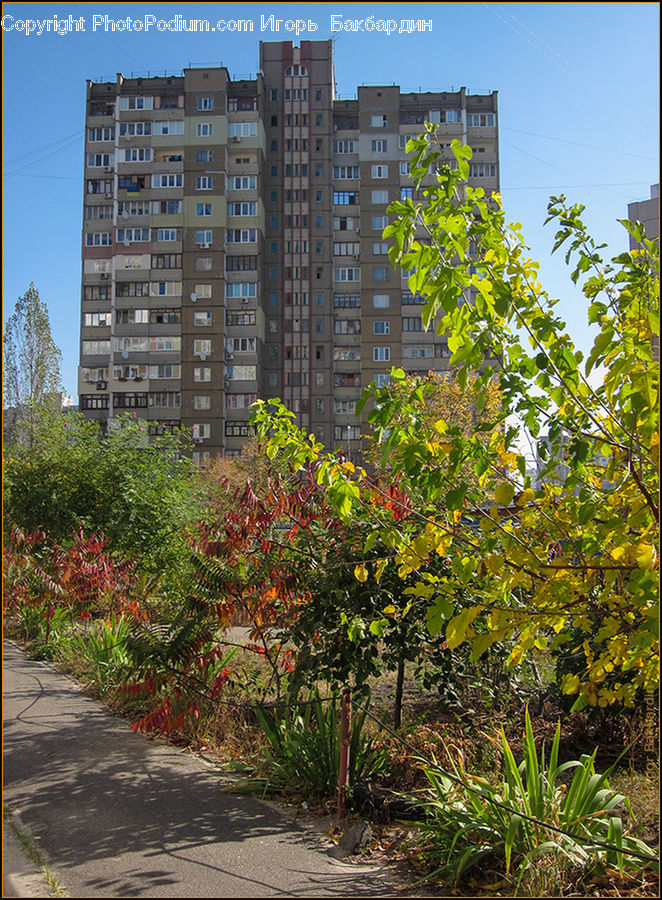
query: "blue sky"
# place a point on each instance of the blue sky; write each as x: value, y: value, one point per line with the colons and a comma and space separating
x: 578, y: 105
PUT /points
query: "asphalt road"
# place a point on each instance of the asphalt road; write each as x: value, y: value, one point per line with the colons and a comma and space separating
x: 115, y: 814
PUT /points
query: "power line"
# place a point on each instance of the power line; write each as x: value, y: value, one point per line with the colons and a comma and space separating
x: 549, y: 137
x: 22, y: 156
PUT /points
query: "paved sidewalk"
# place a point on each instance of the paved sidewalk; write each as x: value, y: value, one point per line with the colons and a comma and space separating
x: 114, y: 814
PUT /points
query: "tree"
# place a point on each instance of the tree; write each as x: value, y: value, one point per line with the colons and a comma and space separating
x: 31, y: 361
x: 540, y: 566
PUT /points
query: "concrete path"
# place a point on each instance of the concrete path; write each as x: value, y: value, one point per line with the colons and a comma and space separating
x: 114, y: 814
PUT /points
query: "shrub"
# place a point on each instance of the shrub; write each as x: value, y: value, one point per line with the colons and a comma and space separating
x: 473, y: 819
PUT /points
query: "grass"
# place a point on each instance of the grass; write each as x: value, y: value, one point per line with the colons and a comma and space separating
x: 35, y: 857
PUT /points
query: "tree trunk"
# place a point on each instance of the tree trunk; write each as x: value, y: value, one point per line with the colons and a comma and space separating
x: 399, y: 684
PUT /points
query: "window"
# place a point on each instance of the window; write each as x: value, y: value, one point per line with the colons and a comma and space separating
x: 201, y: 373
x: 205, y: 103
x: 166, y: 234
x: 165, y: 343
x: 167, y: 261
x: 381, y: 327
x: 380, y: 274
x: 94, y: 401
x: 167, y: 181
x: 382, y: 380
x: 349, y: 248
x: 203, y: 156
x: 379, y: 222
x: 132, y: 316
x: 242, y: 345
x: 241, y: 318
x: 135, y: 129
x: 242, y: 209
x: 101, y: 159
x: 100, y: 186
x: 97, y: 319
x: 381, y: 301
x: 203, y: 209
x: 381, y: 354
x: 129, y: 401
x: 346, y: 301
x: 410, y: 351
x: 347, y: 326
x: 204, y: 129
x: 347, y: 433
x: 344, y: 171
x: 242, y: 129
x: 296, y: 70
x: 168, y: 316
x: 353, y: 274
x: 242, y: 183
x: 202, y: 291
x: 409, y: 299
x: 96, y: 348
x: 131, y: 235
x: 165, y: 399
x: 412, y: 323
x: 203, y: 238
x: 165, y: 371
x: 98, y: 239
x: 241, y: 373
x: 378, y: 121
x: 202, y: 346
x: 203, y: 264
x: 380, y: 248
x: 379, y: 171
x: 346, y: 353
x: 404, y: 167
x: 345, y: 146
x: 132, y: 289
x: 166, y: 207
x: 406, y: 193
x: 204, y: 183
x: 202, y: 319
x: 482, y: 170
x: 240, y: 263
x: 480, y: 119
x: 344, y: 407
x: 169, y: 127
x: 101, y: 134
x: 136, y: 103
x: 96, y: 292
x: 201, y: 432
x: 241, y: 289
x: 380, y: 196
x: 241, y: 235
x: 346, y: 198
x: 378, y: 146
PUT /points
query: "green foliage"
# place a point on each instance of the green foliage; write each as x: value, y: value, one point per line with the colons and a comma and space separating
x: 475, y: 819
x: 31, y: 366
x: 140, y: 496
x: 532, y: 566
x: 303, y: 749
x: 102, y: 649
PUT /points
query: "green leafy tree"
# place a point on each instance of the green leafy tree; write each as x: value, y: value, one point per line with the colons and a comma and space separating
x: 539, y: 566
x: 31, y: 365
x: 141, y: 495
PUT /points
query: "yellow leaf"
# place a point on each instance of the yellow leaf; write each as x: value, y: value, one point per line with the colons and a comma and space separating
x: 380, y: 565
x: 570, y: 684
x: 361, y: 572
x: 389, y: 610
x: 645, y: 555
x: 504, y: 493
x: 526, y: 497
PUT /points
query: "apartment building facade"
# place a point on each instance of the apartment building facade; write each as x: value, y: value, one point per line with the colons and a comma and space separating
x: 232, y: 244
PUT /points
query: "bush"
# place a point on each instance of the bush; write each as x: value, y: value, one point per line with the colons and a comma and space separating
x: 303, y: 749
x: 475, y: 820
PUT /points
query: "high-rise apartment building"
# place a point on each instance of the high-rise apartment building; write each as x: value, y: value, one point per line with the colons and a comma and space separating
x: 232, y: 243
